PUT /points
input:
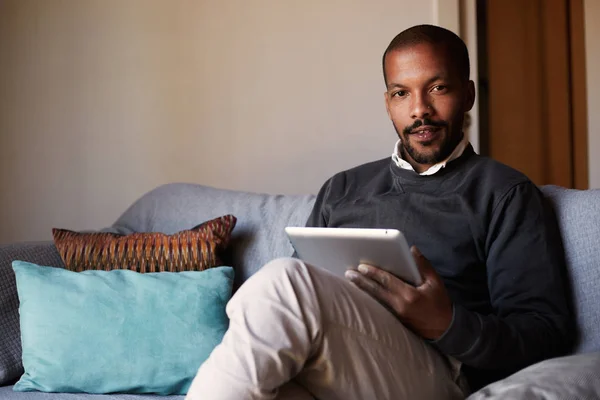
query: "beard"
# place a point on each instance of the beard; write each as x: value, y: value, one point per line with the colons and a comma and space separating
x: 436, y: 155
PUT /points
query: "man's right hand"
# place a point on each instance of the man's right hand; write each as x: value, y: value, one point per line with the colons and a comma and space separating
x: 426, y: 309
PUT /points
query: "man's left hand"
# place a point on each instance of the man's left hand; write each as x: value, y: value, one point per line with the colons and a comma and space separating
x: 425, y: 309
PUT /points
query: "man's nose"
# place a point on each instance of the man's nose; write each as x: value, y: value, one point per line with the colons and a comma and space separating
x: 421, y: 107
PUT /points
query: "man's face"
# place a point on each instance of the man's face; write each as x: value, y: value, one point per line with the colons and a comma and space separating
x: 426, y: 100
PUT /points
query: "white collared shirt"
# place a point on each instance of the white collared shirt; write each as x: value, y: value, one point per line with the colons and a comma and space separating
x: 402, y: 163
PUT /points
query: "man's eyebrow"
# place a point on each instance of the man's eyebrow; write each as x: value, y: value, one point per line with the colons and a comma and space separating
x: 430, y: 81
x: 394, y: 86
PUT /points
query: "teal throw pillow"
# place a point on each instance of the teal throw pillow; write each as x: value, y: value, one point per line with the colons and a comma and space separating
x: 118, y: 331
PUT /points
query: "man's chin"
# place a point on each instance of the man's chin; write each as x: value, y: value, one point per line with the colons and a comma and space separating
x: 427, y: 155
x: 426, y: 143
x: 427, y: 159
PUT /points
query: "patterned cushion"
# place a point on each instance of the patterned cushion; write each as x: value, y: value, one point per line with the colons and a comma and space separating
x: 259, y: 235
x: 196, y: 249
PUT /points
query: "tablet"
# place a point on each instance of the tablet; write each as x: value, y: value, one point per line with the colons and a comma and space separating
x: 339, y: 249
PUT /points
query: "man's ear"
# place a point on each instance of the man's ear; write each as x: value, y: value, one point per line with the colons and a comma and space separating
x: 470, y: 98
x: 387, y: 103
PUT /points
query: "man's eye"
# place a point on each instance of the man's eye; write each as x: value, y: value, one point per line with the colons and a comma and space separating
x: 400, y: 93
x: 439, y: 88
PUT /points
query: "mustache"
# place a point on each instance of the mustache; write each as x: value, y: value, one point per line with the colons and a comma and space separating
x: 424, y: 121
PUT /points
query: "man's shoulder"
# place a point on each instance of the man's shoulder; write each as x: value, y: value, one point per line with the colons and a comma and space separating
x: 356, y: 177
x: 498, y: 173
x: 363, y: 172
x: 367, y: 169
x: 493, y: 180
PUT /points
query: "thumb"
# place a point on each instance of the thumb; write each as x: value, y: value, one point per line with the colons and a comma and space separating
x: 425, y: 267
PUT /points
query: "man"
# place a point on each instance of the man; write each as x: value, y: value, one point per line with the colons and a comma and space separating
x: 486, y: 243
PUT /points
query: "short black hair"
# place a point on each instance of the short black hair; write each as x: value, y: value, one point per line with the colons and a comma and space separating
x: 434, y: 35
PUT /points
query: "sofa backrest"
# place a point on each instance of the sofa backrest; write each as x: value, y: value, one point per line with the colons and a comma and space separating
x: 259, y: 234
x: 578, y: 214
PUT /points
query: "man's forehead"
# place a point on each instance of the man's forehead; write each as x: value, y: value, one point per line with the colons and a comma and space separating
x: 435, y: 52
x: 419, y: 60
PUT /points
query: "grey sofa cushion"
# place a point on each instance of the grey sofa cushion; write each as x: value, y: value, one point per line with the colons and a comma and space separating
x: 566, y: 378
x: 578, y: 214
x: 6, y: 393
x: 10, y: 343
x: 290, y: 391
x: 261, y: 218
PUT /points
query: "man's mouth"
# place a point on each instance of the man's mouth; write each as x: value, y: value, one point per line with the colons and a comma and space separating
x: 425, y: 133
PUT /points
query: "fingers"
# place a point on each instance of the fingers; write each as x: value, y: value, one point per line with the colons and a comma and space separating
x: 383, y: 287
x: 376, y: 274
x: 368, y: 285
x: 377, y: 282
x: 371, y: 286
x: 384, y: 278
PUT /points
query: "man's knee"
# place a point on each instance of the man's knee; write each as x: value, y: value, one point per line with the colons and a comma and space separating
x: 281, y: 280
x: 279, y: 273
x: 285, y: 266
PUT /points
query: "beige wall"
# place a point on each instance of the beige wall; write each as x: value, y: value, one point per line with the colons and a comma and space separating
x: 592, y: 33
x: 102, y: 100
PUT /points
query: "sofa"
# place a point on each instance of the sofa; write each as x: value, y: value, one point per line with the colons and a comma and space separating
x: 259, y: 237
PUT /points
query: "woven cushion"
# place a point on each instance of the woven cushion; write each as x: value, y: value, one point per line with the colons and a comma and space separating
x: 195, y: 249
x: 259, y: 235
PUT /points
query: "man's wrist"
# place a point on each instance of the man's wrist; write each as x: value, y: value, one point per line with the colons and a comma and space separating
x: 446, y: 326
x: 462, y: 335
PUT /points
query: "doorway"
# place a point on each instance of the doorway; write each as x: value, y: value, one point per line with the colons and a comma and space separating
x: 532, y: 89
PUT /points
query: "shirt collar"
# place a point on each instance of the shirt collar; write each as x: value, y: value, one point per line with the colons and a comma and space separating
x: 402, y: 163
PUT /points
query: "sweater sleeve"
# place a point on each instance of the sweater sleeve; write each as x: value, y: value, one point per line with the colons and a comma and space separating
x: 319, y: 216
x: 526, y: 276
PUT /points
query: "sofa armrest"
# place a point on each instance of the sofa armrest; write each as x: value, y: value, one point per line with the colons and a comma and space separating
x: 42, y: 253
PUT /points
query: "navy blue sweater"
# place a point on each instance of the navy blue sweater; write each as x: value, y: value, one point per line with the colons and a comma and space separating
x: 493, y: 239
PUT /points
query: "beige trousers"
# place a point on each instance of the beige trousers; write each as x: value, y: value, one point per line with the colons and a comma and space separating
x: 297, y: 331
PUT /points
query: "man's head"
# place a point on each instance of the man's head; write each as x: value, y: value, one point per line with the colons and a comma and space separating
x: 428, y: 91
